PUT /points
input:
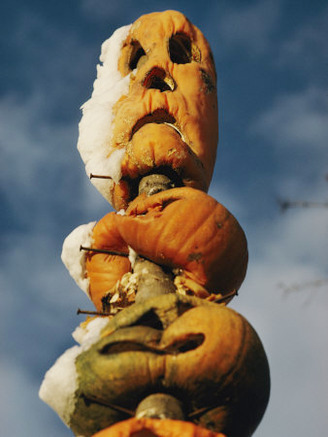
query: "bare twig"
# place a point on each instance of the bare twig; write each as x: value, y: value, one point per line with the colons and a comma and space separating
x: 286, y: 204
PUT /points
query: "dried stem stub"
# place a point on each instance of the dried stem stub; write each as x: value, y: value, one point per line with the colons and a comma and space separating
x: 152, y: 280
x: 160, y: 406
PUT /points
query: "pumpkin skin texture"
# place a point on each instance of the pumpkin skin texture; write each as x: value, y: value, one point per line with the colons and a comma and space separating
x: 185, y: 228
x: 168, y: 118
x: 181, y: 228
x: 206, y: 355
x: 176, y: 54
x: 104, y: 270
x: 147, y: 427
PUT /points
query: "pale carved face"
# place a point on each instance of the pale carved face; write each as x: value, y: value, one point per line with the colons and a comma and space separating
x: 166, y: 120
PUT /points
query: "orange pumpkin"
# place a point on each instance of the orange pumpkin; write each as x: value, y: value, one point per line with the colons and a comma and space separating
x: 186, y: 229
x: 103, y: 269
x: 205, y: 355
x: 165, y: 120
x: 147, y: 427
x: 183, y: 229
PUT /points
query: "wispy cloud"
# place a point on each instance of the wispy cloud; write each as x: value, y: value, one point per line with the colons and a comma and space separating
x: 296, y: 120
x: 46, y: 194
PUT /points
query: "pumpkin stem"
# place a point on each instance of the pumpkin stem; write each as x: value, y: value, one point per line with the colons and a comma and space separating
x: 160, y: 406
x: 152, y: 279
x: 155, y: 183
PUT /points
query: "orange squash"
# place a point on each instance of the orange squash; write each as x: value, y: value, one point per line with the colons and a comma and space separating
x: 103, y: 269
x: 183, y: 229
x: 186, y: 229
x: 205, y: 355
x: 170, y: 116
x: 165, y: 120
x: 147, y: 427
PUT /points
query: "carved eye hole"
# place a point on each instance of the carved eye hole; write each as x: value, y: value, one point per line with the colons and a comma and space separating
x: 180, y: 49
x: 136, y: 54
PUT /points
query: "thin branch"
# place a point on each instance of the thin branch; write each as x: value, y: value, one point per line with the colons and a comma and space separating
x: 298, y: 287
x: 286, y: 204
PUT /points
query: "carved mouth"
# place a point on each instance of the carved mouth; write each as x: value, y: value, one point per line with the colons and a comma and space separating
x: 188, y: 342
x: 160, y: 116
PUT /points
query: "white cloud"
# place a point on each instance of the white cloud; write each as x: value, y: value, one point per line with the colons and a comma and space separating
x: 296, y: 120
x: 292, y: 324
x: 26, y: 140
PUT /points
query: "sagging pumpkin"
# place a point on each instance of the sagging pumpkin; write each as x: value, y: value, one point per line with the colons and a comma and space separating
x: 204, y: 354
x: 153, y: 108
x: 182, y: 229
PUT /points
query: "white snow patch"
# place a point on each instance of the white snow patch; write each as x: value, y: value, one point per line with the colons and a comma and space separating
x: 74, y: 258
x: 60, y: 383
x: 95, y: 128
x: 87, y: 335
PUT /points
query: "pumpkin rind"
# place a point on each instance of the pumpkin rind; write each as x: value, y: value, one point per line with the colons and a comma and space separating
x: 104, y: 270
x: 181, y: 228
x: 158, y: 113
x: 207, y: 356
x: 156, y: 428
x: 185, y: 228
x: 188, y: 105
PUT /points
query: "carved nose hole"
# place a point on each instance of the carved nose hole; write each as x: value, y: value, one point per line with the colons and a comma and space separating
x: 157, y: 79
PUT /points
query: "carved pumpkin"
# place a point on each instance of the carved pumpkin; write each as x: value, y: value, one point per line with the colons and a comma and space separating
x: 183, y: 229
x: 205, y: 355
x: 103, y: 269
x: 156, y: 428
x: 165, y: 115
x: 187, y: 229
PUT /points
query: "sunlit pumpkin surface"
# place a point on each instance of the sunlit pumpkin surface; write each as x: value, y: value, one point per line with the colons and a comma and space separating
x: 156, y: 428
x: 182, y: 229
x: 206, y: 355
x: 166, y: 117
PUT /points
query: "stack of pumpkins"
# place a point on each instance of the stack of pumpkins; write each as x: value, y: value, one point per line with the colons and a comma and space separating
x: 171, y: 359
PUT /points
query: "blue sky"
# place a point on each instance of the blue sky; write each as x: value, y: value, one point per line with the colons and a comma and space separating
x: 271, y: 58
